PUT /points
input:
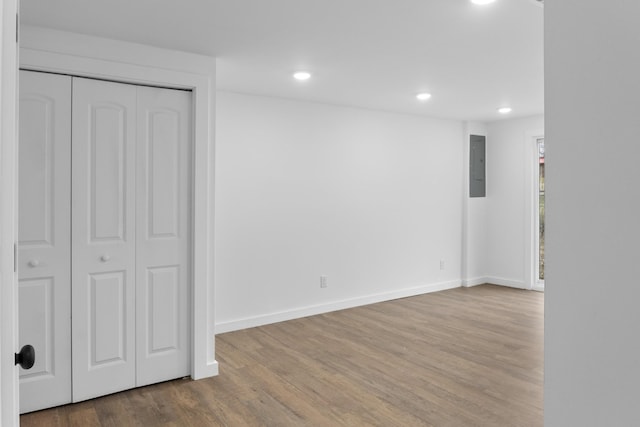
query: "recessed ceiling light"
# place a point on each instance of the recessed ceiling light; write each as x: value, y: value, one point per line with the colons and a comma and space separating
x: 302, y: 75
x: 504, y: 110
x: 423, y: 96
x: 482, y: 2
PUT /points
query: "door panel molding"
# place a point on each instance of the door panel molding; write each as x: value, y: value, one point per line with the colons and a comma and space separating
x: 107, y: 160
x: 37, y: 144
x: 103, y: 248
x: 163, y: 234
x: 36, y: 309
x: 44, y: 289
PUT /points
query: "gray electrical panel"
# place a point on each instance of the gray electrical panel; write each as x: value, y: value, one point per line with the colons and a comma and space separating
x: 477, y: 184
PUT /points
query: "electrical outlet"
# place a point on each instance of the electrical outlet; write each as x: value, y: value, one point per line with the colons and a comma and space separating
x: 323, y: 281
x: 441, y: 264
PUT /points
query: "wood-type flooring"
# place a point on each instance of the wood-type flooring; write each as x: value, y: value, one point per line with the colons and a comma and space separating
x: 462, y: 357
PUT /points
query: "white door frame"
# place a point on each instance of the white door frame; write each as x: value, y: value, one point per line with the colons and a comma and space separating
x: 74, y: 54
x: 9, y: 397
x: 537, y: 283
x: 531, y: 155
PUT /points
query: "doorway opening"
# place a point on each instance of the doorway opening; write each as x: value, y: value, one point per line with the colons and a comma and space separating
x: 539, y: 208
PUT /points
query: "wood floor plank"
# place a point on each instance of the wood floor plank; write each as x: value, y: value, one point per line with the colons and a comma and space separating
x: 463, y: 357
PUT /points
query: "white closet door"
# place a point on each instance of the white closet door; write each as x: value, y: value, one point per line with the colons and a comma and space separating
x: 163, y: 234
x: 103, y: 237
x: 44, y: 289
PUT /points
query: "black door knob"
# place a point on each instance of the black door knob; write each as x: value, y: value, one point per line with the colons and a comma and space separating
x: 27, y: 357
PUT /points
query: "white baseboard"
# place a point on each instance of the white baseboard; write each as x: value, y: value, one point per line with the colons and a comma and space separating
x: 296, y: 313
x: 518, y: 284
x: 468, y: 283
x: 212, y: 370
x: 500, y: 281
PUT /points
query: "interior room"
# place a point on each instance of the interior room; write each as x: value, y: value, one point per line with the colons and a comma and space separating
x: 329, y: 213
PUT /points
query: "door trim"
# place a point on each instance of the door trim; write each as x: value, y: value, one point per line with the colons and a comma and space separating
x: 9, y: 397
x: 92, y: 57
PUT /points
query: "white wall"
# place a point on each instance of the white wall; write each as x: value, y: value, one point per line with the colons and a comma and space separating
x: 474, y: 230
x: 372, y: 200
x: 509, y: 209
x: 592, y: 318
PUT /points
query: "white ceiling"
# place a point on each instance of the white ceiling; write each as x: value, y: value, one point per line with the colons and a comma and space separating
x: 374, y: 54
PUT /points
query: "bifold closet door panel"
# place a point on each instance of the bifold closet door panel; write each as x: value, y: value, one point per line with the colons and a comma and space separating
x: 163, y: 234
x: 44, y: 282
x: 103, y: 237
